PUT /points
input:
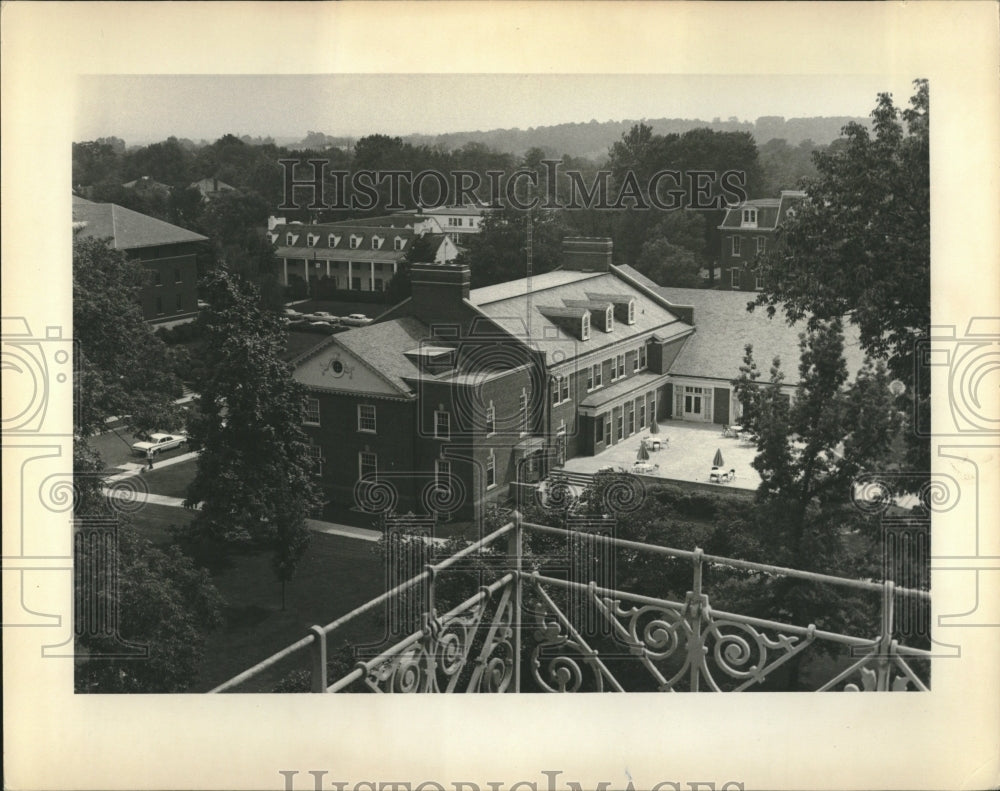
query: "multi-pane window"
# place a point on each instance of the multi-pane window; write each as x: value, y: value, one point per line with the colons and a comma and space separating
x: 630, y: 418
x: 367, y: 465
x: 614, y: 369
x: 609, y: 319
x: 366, y: 418
x: 761, y: 245
x: 642, y: 357
x: 491, y: 420
x: 442, y: 424
x: 607, y: 429
x: 749, y: 217
x: 619, y: 425
x: 312, y: 411
x: 758, y: 282
x: 635, y: 361
x: 631, y: 311
x: 315, y: 452
x: 355, y: 242
x: 620, y: 361
x: 736, y: 245
x: 522, y: 411
x: 595, y: 376
x: 734, y: 278
x: 560, y: 389
x: 491, y: 470
x: 585, y: 327
x: 642, y: 413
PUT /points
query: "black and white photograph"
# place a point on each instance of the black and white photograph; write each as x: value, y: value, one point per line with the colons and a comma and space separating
x: 432, y: 377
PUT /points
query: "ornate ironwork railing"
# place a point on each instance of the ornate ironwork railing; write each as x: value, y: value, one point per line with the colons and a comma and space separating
x: 530, y: 631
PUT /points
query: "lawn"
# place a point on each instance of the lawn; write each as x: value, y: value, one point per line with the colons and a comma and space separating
x: 173, y: 480
x: 335, y: 575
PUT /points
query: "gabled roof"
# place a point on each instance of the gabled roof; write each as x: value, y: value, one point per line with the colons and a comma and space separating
x: 380, y: 347
x: 723, y: 327
x: 511, y: 307
x: 127, y: 229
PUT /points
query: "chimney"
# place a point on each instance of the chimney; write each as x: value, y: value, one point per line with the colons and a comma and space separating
x: 438, y: 287
x: 586, y: 254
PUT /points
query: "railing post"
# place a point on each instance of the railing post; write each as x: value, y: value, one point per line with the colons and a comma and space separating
x: 882, y: 666
x: 515, y: 546
x: 696, y: 653
x: 318, y: 650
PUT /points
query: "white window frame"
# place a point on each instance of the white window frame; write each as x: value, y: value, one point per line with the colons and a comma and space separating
x: 361, y: 463
x: 315, y: 452
x: 332, y: 240
x: 363, y: 418
x: 355, y: 242
x: 761, y: 245
x: 736, y: 245
x: 609, y: 318
x: 734, y: 278
x: 643, y: 357
x: 758, y: 282
x: 585, y: 327
x: 309, y: 412
x: 522, y: 412
x: 491, y: 470
x: 491, y: 420
x: 598, y: 375
x: 398, y: 243
x: 631, y: 311
x: 749, y: 218
x: 438, y: 414
x: 620, y: 363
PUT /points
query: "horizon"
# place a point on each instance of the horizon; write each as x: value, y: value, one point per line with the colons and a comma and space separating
x: 206, y: 107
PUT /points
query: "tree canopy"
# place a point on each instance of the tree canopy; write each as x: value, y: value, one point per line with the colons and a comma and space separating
x: 255, y: 478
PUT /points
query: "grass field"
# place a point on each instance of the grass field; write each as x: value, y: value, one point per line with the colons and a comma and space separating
x: 334, y: 576
x: 171, y: 481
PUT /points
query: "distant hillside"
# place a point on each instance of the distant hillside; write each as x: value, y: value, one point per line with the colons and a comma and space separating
x: 593, y: 139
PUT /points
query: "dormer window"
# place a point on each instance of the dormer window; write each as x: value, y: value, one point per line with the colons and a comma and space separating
x: 333, y: 240
x: 609, y: 319
x: 355, y: 242
x: 312, y: 239
x: 377, y: 242
x: 585, y: 327
x: 631, y: 311
x: 398, y: 243
x: 749, y: 218
x: 291, y: 238
x: 272, y: 237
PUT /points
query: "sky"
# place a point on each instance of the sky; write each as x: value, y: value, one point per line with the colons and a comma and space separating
x: 146, y: 108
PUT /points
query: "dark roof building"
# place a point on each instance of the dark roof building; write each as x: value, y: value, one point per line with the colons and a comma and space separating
x: 167, y: 252
x: 746, y: 232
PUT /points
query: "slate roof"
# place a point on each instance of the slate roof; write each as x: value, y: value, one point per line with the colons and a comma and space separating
x: 770, y: 211
x: 128, y: 229
x: 381, y: 346
x: 723, y: 327
x: 511, y: 307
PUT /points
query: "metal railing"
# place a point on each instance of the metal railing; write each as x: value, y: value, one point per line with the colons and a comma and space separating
x: 573, y: 635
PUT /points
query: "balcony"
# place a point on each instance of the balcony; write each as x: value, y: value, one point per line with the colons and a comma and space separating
x: 543, y: 614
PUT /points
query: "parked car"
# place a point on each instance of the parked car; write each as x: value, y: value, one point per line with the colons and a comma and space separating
x: 158, y: 443
x: 322, y: 315
x: 356, y: 320
x: 292, y: 314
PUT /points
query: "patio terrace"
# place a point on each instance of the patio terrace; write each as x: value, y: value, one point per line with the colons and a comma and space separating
x: 686, y: 454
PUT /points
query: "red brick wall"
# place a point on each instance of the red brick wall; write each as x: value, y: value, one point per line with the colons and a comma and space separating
x: 168, y: 258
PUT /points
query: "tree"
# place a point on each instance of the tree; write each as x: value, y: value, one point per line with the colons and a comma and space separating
x: 255, y: 478
x: 499, y: 252
x: 669, y: 264
x: 746, y: 388
x: 859, y: 245
x: 123, y: 369
x: 161, y: 600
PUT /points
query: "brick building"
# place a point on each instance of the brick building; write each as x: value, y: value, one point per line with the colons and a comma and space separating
x: 360, y: 255
x: 748, y: 231
x: 169, y: 254
x: 455, y: 393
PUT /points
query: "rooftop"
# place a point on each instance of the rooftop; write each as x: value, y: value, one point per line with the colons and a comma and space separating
x: 723, y: 327
x: 127, y: 229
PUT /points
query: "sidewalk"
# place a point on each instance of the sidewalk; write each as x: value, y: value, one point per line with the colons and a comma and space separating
x: 132, y: 468
x: 329, y: 528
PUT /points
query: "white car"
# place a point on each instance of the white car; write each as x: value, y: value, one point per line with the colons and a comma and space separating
x: 292, y: 313
x: 356, y: 320
x: 322, y: 315
x: 159, y: 443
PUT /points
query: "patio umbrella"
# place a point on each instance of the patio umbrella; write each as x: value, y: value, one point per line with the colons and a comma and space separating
x: 643, y: 454
x: 718, y: 460
x: 654, y: 427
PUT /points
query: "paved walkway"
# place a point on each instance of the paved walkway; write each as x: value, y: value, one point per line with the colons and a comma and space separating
x: 132, y: 468
x: 316, y: 525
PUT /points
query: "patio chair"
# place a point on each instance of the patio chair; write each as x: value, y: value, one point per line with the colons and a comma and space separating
x: 715, y: 476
